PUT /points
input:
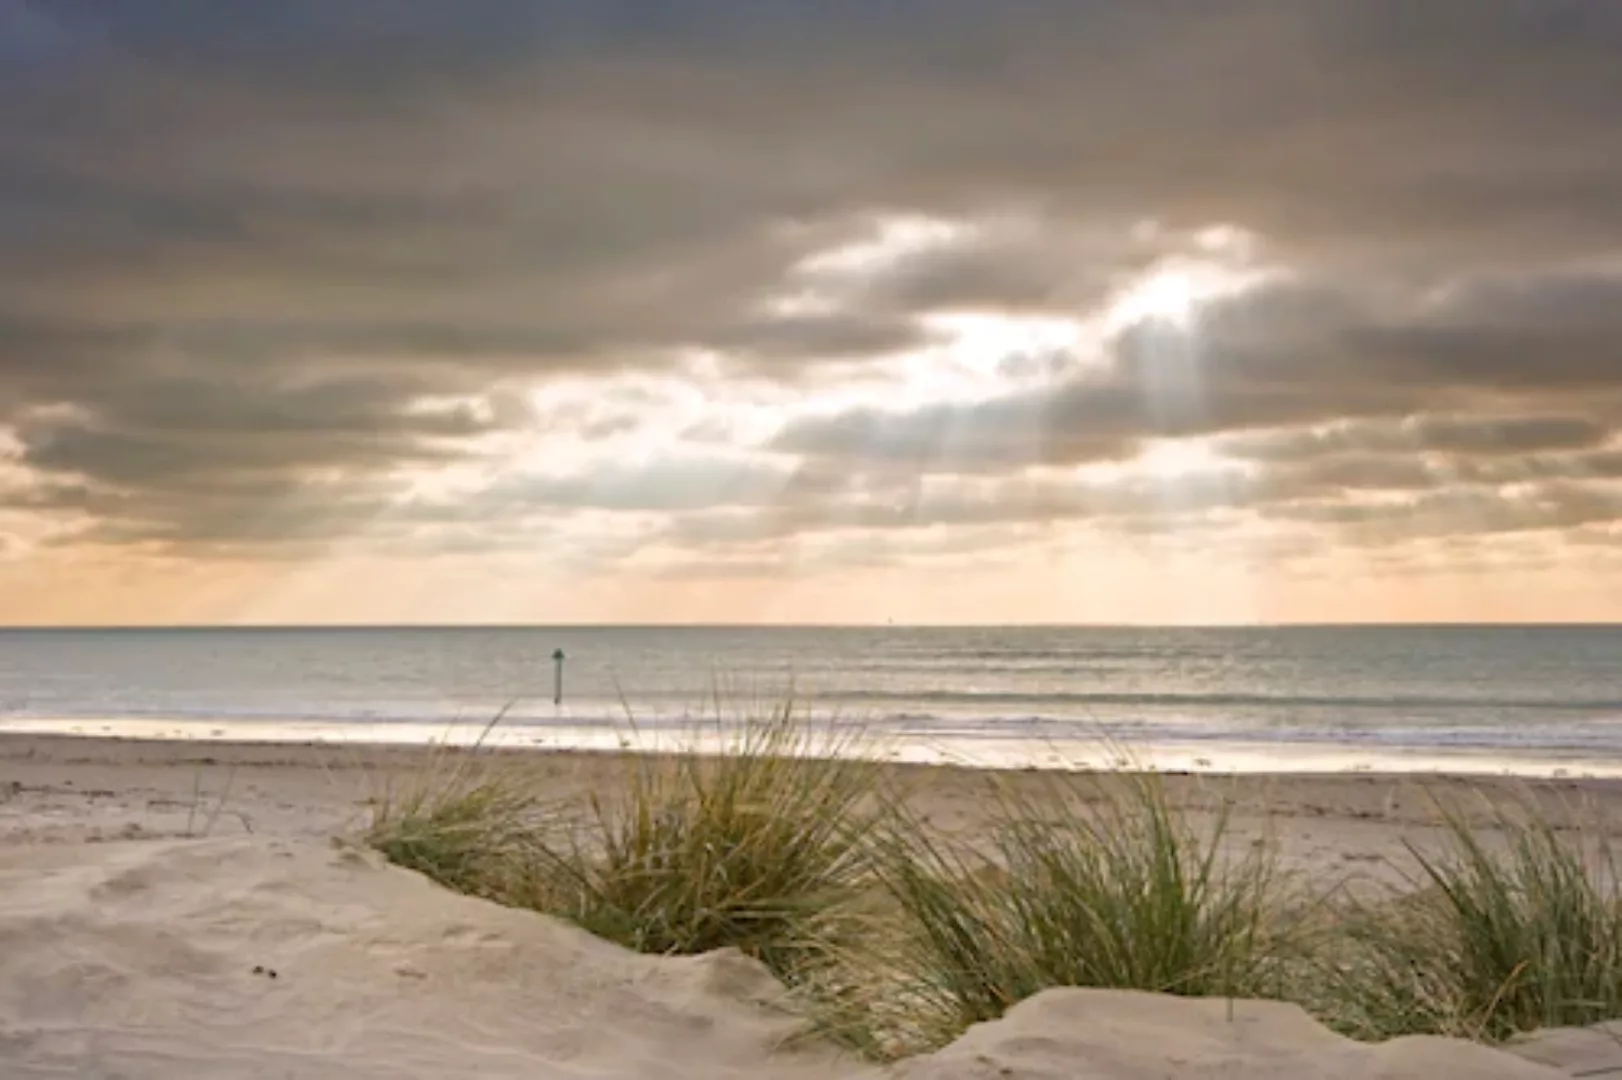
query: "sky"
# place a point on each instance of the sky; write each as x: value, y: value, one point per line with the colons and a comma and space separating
x: 932, y: 311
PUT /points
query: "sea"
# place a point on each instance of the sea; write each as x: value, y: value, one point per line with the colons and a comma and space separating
x: 1530, y: 700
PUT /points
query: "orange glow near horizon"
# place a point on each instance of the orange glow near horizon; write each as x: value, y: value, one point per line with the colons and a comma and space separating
x: 1084, y: 588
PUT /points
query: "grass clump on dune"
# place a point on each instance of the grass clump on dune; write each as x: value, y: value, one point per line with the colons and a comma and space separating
x: 1114, y: 892
x: 470, y: 837
x: 462, y: 824
x: 758, y: 847
x: 1500, y: 932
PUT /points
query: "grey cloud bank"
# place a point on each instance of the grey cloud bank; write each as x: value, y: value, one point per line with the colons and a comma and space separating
x: 240, y: 248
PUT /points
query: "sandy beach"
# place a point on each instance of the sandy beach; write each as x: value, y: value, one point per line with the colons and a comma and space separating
x: 71, y: 789
x: 186, y: 910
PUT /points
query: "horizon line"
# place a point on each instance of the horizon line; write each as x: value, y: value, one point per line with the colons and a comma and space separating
x: 364, y: 626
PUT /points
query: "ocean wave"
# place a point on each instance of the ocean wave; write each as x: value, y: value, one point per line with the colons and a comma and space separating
x: 1601, y: 735
x: 1239, y: 700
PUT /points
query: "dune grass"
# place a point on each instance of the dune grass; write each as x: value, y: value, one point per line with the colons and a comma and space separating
x: 469, y: 831
x: 899, y: 937
x: 459, y: 822
x: 760, y: 847
x: 1501, y: 931
x: 1112, y: 891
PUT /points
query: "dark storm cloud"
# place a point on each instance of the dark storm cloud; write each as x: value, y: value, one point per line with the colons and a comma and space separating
x: 1452, y: 435
x: 239, y: 244
x: 824, y: 337
x: 192, y: 461
x: 1463, y: 512
x: 1020, y: 266
x: 415, y: 142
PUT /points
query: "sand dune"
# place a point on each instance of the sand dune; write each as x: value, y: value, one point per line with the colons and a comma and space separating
x: 217, y: 959
x: 254, y: 958
x: 1120, y: 1035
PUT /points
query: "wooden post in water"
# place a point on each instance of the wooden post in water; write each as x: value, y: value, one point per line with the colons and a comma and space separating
x: 557, y: 679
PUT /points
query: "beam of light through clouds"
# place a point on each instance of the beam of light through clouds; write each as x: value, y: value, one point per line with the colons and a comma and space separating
x: 332, y: 310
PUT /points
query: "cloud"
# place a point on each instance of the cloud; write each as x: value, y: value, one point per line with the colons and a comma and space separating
x: 192, y: 460
x: 671, y: 485
x: 1488, y: 436
x: 1004, y: 433
x: 509, y: 143
x: 260, y: 268
x: 1468, y: 511
x: 1290, y: 353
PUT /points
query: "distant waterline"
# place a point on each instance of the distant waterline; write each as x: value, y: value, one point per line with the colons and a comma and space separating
x: 1529, y: 700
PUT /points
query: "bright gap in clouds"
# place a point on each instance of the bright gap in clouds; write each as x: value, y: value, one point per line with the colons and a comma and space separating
x: 984, y: 353
x: 1164, y: 295
x: 1173, y: 292
x: 1167, y: 301
x: 1169, y: 460
x: 987, y: 351
x: 889, y: 240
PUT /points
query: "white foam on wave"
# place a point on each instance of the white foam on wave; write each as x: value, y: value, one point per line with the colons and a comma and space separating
x: 989, y: 751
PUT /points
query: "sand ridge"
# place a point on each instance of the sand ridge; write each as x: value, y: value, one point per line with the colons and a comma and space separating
x: 288, y: 958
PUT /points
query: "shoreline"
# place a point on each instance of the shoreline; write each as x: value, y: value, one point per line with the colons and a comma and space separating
x: 993, y: 753
x: 225, y: 749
